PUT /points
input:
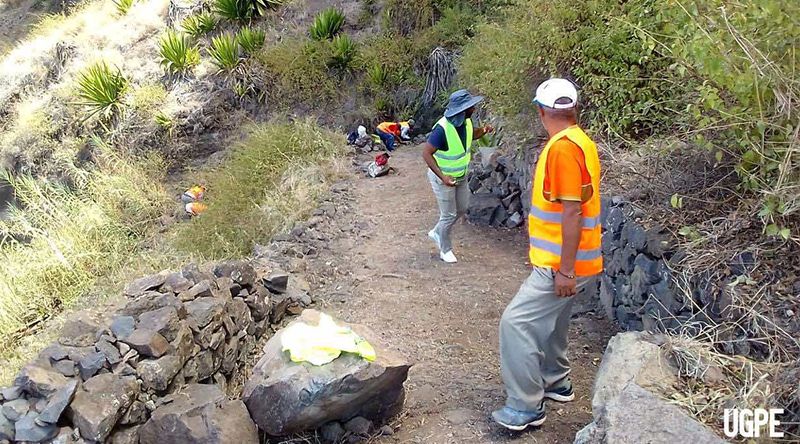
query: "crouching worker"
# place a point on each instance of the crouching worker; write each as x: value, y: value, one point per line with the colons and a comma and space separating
x: 564, y: 251
x: 389, y: 132
x: 191, y: 198
x: 447, y: 153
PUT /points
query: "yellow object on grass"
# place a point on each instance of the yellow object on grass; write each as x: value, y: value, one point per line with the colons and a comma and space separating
x: 321, y: 344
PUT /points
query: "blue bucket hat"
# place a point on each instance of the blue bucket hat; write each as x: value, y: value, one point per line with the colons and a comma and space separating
x: 461, y: 101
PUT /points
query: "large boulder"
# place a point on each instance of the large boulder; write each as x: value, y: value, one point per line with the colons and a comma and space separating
x: 100, y: 403
x: 286, y: 397
x: 199, y: 414
x: 627, y: 405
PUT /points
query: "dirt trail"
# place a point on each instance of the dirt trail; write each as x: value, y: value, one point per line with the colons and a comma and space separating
x: 445, y: 317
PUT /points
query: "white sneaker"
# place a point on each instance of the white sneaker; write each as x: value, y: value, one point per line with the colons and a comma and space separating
x: 448, y: 257
x: 434, y: 237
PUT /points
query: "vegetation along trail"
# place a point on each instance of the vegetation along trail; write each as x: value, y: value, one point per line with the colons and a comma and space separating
x: 444, y: 317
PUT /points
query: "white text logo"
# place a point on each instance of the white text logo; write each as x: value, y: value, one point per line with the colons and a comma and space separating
x: 749, y: 423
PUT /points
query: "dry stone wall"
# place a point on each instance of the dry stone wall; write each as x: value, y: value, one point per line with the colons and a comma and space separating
x: 159, y: 368
x: 637, y: 288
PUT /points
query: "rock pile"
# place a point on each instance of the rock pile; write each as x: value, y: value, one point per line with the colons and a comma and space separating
x: 348, y: 389
x: 501, y: 189
x: 143, y: 375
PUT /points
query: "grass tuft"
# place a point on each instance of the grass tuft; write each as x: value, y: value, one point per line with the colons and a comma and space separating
x: 100, y: 89
x: 251, y: 39
x: 327, y: 24
x: 178, y: 54
x: 199, y: 25
x: 224, y: 52
x: 123, y: 6
x: 234, y: 10
x: 344, y: 50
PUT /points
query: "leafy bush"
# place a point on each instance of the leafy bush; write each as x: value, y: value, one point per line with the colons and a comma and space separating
x: 123, y: 6
x: 100, y: 90
x: 236, y: 10
x: 251, y: 39
x: 327, y: 24
x: 377, y: 75
x: 262, y: 6
x: 224, y: 52
x: 199, y: 25
x: 270, y: 180
x: 178, y: 54
x: 344, y: 49
x: 295, y: 71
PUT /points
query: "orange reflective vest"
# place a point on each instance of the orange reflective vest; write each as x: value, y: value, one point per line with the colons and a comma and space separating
x: 544, y: 220
x: 390, y: 127
x: 196, y: 192
x: 196, y: 208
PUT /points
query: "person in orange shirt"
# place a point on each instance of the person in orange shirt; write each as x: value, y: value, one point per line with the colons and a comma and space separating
x: 389, y: 132
x: 564, y: 233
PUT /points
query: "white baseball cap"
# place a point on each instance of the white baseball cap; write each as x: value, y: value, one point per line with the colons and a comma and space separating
x: 555, y: 89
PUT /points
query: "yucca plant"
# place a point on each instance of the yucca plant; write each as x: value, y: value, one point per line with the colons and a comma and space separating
x: 123, y: 6
x: 327, y: 24
x: 237, y: 10
x: 251, y: 39
x: 198, y: 25
x: 377, y: 75
x: 100, y: 89
x: 224, y: 52
x: 344, y: 49
x: 262, y: 6
x: 178, y: 54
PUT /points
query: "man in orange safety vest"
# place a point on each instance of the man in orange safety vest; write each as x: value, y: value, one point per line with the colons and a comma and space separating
x: 564, y: 233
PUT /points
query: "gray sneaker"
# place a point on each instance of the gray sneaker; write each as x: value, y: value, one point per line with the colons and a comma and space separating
x: 518, y: 421
x: 563, y: 393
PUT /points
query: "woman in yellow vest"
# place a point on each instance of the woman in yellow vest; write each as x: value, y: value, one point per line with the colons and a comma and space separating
x: 564, y: 232
x: 447, y: 153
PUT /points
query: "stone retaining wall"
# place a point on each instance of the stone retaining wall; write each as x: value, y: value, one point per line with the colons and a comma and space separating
x: 131, y: 376
x: 636, y: 289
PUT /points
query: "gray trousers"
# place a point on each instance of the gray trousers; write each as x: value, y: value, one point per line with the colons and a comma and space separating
x: 453, y: 203
x: 533, y: 340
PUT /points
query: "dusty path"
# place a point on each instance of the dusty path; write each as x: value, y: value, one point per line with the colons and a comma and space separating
x: 444, y: 317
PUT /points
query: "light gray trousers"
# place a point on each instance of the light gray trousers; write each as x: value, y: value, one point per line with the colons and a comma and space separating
x: 453, y: 203
x: 533, y: 340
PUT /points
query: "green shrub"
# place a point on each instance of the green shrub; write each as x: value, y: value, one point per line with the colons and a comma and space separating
x: 377, y: 75
x: 270, y: 180
x: 199, y: 25
x: 224, y: 52
x: 178, y: 54
x: 236, y: 10
x: 295, y: 71
x: 100, y: 90
x: 327, y: 24
x: 123, y: 6
x: 262, y: 6
x: 344, y: 49
x: 251, y: 39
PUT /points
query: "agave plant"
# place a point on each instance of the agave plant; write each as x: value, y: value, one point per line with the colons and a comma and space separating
x: 251, y: 39
x: 198, y: 25
x: 237, y: 10
x: 262, y: 6
x: 178, y: 54
x: 100, y: 89
x: 327, y: 24
x: 224, y: 52
x: 123, y: 6
x: 344, y: 49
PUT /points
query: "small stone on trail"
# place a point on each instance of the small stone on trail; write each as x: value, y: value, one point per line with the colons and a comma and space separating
x: 332, y: 432
x: 91, y: 364
x: 277, y: 282
x: 139, y: 286
x: 387, y: 430
x: 359, y: 426
x: 11, y: 393
x: 109, y: 350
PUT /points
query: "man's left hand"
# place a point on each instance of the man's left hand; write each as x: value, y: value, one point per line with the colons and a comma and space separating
x: 565, y: 287
x: 488, y: 129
